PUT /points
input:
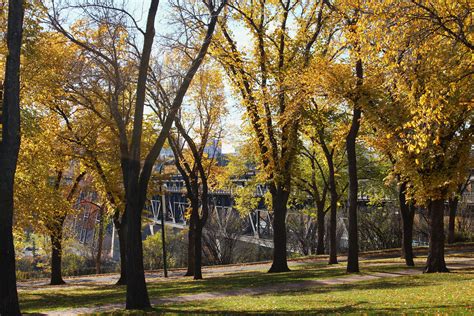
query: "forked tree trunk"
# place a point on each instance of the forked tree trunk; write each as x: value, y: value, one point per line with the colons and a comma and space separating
x: 9, y: 148
x: 56, y: 255
x: 138, y: 178
x: 56, y: 231
x: 279, y: 201
x: 353, y: 252
x: 321, y: 231
x: 453, y: 207
x: 407, y: 213
x: 435, y: 261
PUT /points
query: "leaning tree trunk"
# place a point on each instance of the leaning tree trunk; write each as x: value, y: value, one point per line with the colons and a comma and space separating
x: 9, y: 148
x: 279, y: 201
x: 353, y: 252
x: 407, y: 212
x: 435, y: 261
x: 453, y: 207
x: 321, y: 231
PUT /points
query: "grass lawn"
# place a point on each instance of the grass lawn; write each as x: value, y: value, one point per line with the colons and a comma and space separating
x: 451, y: 293
x: 428, y: 294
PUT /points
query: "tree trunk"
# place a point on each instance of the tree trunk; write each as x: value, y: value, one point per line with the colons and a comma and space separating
x: 56, y: 256
x: 321, y: 231
x: 353, y: 252
x: 333, y: 231
x: 435, y: 262
x: 279, y: 201
x: 198, y: 250
x: 9, y: 148
x: 137, y: 294
x: 122, y: 235
x: 100, y: 239
x: 333, y: 211
x: 453, y: 207
x: 407, y: 213
x: 191, y: 247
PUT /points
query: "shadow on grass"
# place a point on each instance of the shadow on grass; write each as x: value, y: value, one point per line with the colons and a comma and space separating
x: 239, y: 281
x: 69, y: 298
x: 357, y: 308
x: 75, y: 297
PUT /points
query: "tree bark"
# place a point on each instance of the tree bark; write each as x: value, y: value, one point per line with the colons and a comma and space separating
x: 333, y: 231
x: 321, y: 231
x: 353, y: 252
x: 198, y: 250
x: 9, y: 148
x: 407, y: 213
x: 334, y: 198
x: 56, y: 231
x: 435, y: 261
x: 279, y: 201
x: 453, y: 208
x: 122, y: 235
x: 100, y: 239
x: 56, y: 256
x: 191, y: 246
x: 136, y: 179
x: 137, y: 294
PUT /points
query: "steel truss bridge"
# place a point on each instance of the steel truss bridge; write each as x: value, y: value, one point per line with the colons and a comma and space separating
x: 255, y: 228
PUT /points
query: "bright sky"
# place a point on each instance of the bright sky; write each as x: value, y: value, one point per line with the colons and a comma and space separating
x: 234, y: 119
x: 139, y: 10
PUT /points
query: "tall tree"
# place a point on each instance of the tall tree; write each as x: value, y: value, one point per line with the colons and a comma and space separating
x: 136, y: 170
x: 195, y: 145
x: 423, y: 106
x: 45, y: 162
x: 259, y: 76
x: 319, y: 165
x: 9, y: 148
x: 55, y: 228
x: 46, y: 182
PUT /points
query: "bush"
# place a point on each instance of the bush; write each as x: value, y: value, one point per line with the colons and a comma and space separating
x: 73, y: 264
x: 152, y: 252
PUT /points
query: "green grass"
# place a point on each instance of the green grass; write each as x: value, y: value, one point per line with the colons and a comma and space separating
x: 425, y: 293
x: 53, y: 298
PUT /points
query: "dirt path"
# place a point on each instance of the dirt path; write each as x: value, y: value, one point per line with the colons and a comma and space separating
x: 151, y: 276
x: 464, y: 263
